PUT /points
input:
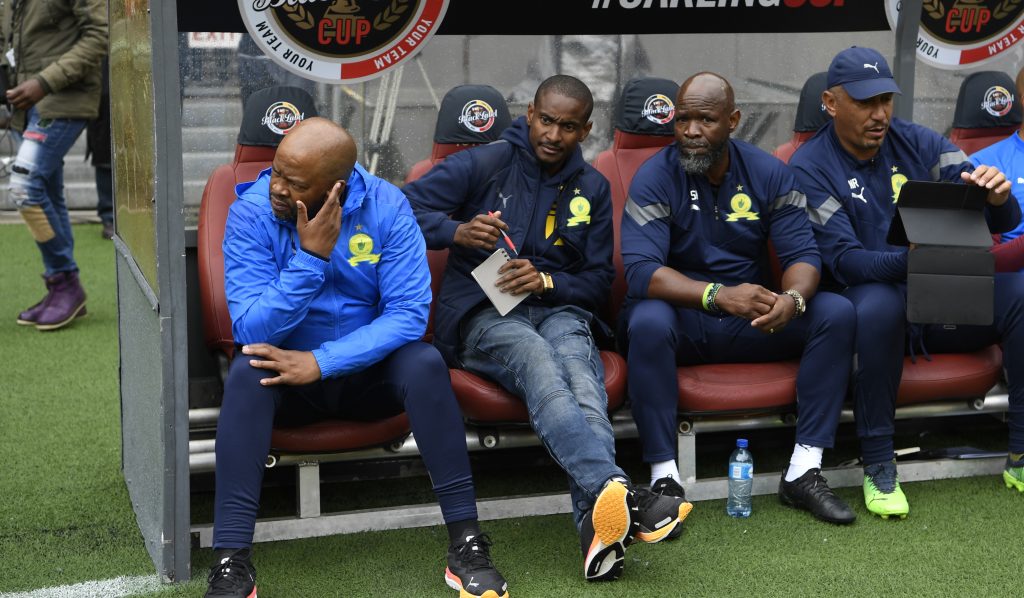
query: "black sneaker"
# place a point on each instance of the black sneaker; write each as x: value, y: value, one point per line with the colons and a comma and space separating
x: 471, y: 572
x: 662, y: 510
x: 607, y: 530
x: 232, y: 575
x: 810, y: 492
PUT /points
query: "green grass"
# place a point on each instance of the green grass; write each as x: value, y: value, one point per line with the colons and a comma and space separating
x: 66, y: 516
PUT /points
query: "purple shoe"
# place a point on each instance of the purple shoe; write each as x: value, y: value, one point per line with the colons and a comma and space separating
x: 65, y: 302
x: 30, y: 315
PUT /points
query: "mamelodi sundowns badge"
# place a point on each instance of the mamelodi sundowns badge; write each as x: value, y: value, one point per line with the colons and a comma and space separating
x: 341, y: 40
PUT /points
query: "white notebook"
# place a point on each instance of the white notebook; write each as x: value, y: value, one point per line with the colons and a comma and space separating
x: 487, y: 273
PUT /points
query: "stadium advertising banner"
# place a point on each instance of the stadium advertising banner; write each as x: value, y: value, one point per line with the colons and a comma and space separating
x: 960, y: 34
x: 355, y: 40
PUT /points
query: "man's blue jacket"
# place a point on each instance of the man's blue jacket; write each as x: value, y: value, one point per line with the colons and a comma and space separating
x: 573, y: 243
x: 851, y: 202
x: 371, y: 297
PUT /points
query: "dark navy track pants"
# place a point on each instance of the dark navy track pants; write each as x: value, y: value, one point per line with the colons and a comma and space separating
x: 880, y: 343
x: 413, y: 378
x: 661, y: 337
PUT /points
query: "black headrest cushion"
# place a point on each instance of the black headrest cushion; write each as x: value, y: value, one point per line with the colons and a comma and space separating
x: 987, y: 99
x: 810, y: 112
x: 647, y: 107
x: 471, y: 114
x: 273, y: 111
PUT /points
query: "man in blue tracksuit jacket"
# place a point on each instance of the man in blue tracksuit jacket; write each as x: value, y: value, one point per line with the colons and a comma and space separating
x: 694, y: 245
x: 534, y: 186
x: 852, y: 172
x: 1008, y: 156
x: 328, y: 287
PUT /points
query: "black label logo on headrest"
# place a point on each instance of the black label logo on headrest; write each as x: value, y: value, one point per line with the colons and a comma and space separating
x: 659, y: 109
x: 477, y: 116
x: 341, y: 40
x: 958, y: 34
x: 281, y: 117
x: 998, y: 101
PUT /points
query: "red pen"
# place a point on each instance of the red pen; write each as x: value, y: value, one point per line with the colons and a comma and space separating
x: 504, y: 234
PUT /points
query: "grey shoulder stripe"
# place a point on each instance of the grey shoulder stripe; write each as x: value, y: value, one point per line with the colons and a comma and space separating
x: 645, y: 214
x: 947, y: 159
x: 823, y: 213
x: 793, y: 198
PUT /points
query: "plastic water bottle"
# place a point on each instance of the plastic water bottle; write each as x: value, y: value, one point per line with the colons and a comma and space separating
x: 741, y: 480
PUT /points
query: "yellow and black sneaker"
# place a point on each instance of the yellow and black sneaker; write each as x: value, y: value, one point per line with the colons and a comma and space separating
x: 661, y: 511
x: 471, y: 572
x: 232, y: 575
x: 605, y: 532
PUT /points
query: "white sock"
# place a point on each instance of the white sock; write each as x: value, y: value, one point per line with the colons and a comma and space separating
x: 805, y: 458
x: 664, y: 469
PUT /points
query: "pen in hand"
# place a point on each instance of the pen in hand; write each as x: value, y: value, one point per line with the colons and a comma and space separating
x: 505, y: 234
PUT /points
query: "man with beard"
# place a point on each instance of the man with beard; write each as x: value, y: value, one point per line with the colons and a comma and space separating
x: 697, y: 222
x: 328, y: 287
x: 852, y: 170
x: 534, y: 186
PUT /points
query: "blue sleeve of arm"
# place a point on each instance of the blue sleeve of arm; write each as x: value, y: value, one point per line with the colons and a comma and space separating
x: 841, y: 250
x: 265, y: 303
x: 588, y: 286
x: 439, y: 193
x: 790, y: 229
x: 404, y: 281
x: 1000, y: 219
x: 646, y: 234
x: 1005, y: 217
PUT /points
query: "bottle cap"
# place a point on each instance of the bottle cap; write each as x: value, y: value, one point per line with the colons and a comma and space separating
x: 741, y: 442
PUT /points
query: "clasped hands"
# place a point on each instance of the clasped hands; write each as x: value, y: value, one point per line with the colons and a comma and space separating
x: 766, y: 311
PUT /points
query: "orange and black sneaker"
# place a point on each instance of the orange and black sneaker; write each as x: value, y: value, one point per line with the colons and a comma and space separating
x: 606, y: 531
x: 232, y: 575
x: 662, y: 510
x: 471, y: 572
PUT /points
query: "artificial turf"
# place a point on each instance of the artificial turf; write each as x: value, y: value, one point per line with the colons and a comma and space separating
x: 65, y: 515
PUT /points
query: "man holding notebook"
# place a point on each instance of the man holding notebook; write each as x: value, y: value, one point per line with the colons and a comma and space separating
x: 531, y: 191
x: 852, y: 171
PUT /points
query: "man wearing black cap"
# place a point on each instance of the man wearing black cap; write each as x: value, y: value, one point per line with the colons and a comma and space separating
x: 852, y: 172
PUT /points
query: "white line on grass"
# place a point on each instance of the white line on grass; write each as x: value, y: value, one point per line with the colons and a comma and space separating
x: 108, y: 588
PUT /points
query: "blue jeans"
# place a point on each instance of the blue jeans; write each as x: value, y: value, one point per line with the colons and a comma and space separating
x: 37, y: 187
x: 546, y: 356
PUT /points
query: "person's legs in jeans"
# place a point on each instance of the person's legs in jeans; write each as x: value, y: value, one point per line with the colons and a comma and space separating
x: 36, y: 187
x: 511, y: 351
x: 37, y: 190
x: 567, y: 330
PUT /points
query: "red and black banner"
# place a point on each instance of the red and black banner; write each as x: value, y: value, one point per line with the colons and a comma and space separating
x: 558, y: 17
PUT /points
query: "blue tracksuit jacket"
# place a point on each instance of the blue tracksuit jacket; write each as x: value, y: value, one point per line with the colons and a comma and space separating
x: 562, y: 224
x: 370, y: 298
x: 851, y: 202
x: 678, y: 220
x: 1008, y: 156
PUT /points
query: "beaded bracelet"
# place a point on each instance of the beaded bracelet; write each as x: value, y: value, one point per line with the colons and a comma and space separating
x: 708, y: 300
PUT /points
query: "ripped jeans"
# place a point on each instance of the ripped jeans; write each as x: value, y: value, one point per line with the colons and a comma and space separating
x: 37, y: 187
